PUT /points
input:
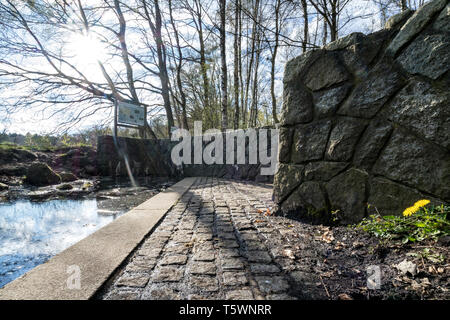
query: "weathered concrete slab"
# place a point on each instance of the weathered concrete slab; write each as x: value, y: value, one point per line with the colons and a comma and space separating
x: 96, y: 256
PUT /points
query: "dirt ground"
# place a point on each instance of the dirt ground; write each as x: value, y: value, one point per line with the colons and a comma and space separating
x: 346, y: 258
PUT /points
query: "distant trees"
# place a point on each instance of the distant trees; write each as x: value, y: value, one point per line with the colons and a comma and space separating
x: 71, y: 59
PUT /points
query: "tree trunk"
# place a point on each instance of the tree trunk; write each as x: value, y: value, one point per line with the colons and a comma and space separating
x: 184, y: 123
x: 334, y: 23
x: 273, y: 61
x: 250, y: 64
x: 305, y: 25
x: 161, y: 52
x: 404, y: 5
x: 224, y: 79
x: 203, y: 68
x: 237, y: 57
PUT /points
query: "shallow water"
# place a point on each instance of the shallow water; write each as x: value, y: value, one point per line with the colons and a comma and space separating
x: 32, y: 232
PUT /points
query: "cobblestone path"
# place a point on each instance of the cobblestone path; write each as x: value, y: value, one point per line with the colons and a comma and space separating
x: 219, y: 241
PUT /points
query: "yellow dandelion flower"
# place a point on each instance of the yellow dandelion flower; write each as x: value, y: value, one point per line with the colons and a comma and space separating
x: 421, y: 203
x: 410, y: 211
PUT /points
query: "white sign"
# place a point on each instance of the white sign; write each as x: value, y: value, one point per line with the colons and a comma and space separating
x: 131, y: 114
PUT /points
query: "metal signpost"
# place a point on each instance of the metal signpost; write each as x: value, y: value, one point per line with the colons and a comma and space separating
x: 130, y: 116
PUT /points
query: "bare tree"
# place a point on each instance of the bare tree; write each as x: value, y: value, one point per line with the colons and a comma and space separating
x: 156, y: 27
x: 223, y: 57
x: 237, y: 58
x: 330, y: 10
x: 179, y: 63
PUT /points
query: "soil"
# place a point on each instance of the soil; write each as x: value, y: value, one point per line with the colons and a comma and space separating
x: 344, y: 258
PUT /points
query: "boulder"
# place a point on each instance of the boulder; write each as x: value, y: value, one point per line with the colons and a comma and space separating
x: 347, y: 41
x: 67, y: 176
x: 64, y: 186
x: 16, y: 155
x: 13, y: 170
x: 415, y: 24
x: 296, y: 68
x: 3, y: 187
x: 40, y: 174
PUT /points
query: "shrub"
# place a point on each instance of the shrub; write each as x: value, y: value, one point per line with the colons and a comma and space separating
x: 418, y: 222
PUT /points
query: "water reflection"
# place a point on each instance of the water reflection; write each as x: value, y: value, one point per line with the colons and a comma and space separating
x: 32, y: 232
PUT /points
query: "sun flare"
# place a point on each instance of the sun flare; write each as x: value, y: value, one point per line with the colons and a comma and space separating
x: 86, y: 49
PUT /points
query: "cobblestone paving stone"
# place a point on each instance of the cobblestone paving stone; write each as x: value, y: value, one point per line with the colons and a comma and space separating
x: 218, y: 242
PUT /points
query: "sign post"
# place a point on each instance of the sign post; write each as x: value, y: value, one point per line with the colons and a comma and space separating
x: 130, y: 116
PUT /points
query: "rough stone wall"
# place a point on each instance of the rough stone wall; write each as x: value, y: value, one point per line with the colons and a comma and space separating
x: 145, y: 157
x: 153, y: 158
x: 365, y: 125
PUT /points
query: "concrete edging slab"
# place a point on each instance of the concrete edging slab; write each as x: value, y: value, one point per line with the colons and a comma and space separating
x: 96, y: 256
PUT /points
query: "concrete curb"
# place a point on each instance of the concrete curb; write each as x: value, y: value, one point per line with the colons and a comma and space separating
x: 96, y: 256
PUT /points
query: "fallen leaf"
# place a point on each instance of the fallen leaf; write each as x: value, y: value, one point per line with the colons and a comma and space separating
x: 339, y: 246
x: 344, y: 296
x: 357, y: 244
x: 288, y: 253
x: 327, y: 274
x: 327, y: 236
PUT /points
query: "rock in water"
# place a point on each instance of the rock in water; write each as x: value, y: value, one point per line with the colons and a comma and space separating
x: 40, y: 174
x: 67, y: 176
x: 65, y: 186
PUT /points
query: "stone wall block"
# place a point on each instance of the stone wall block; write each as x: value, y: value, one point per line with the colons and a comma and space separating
x: 370, y: 94
x: 371, y: 143
x: 347, y: 193
x: 309, y: 141
x: 323, y: 170
x: 428, y: 55
x: 415, y: 163
x: 297, y: 104
x: 285, y: 145
x: 343, y: 138
x: 326, y: 71
x: 288, y: 177
x: 326, y: 102
x: 415, y: 24
x: 423, y: 109
x: 389, y: 198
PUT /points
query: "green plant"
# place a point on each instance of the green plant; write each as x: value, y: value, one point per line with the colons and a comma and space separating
x: 424, y: 223
x: 428, y: 254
